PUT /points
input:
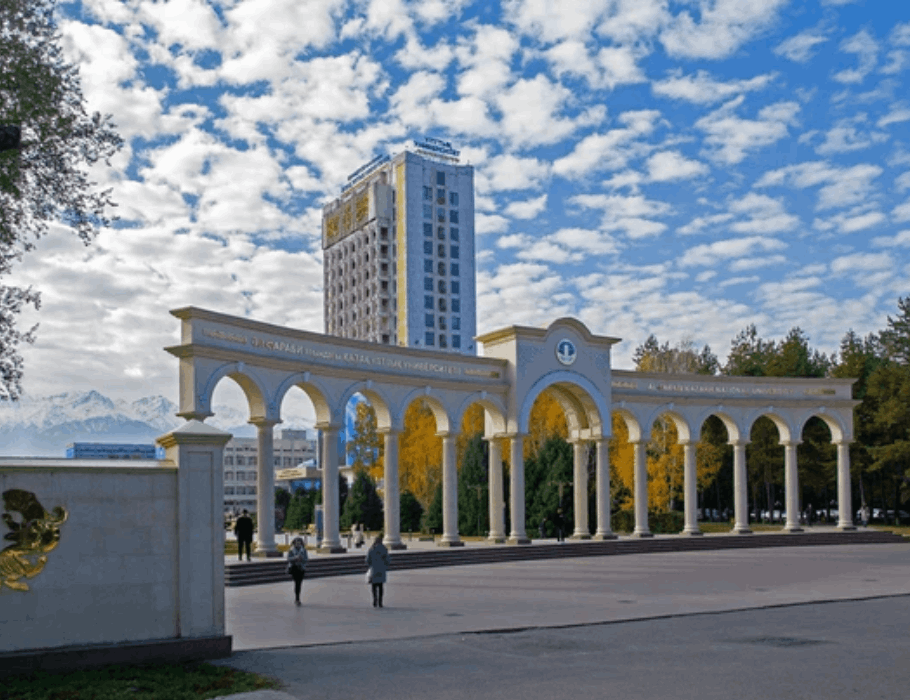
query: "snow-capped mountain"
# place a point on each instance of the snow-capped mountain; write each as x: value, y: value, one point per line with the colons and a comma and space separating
x: 44, y: 426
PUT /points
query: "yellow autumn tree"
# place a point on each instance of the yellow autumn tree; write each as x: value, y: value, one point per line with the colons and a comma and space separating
x: 547, y: 420
x: 471, y: 424
x: 365, y: 445
x: 621, y: 465
x: 420, y: 453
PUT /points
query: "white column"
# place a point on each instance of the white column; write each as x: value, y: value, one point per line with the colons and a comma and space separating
x: 580, y: 484
x: 198, y: 583
x: 331, y: 542
x: 392, y: 494
x: 844, y: 496
x: 449, y: 494
x: 690, y: 491
x: 791, y: 486
x: 602, y: 475
x: 640, y: 473
x: 740, y: 489
x: 497, y: 524
x: 265, y: 491
x: 517, y: 491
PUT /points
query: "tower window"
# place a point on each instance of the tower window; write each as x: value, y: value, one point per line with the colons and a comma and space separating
x: 440, y: 178
x: 453, y: 232
x: 428, y: 301
x: 454, y: 251
x: 427, y: 211
x: 456, y: 341
x: 428, y: 230
x: 427, y: 194
x: 428, y: 284
x: 456, y: 287
x: 453, y: 216
x: 441, y: 250
x: 428, y: 266
x: 428, y: 247
x: 456, y: 305
x: 453, y: 199
x: 442, y: 341
x: 429, y: 338
x: 428, y: 320
x: 454, y: 269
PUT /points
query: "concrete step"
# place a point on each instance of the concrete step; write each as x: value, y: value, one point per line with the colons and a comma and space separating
x: 275, y: 570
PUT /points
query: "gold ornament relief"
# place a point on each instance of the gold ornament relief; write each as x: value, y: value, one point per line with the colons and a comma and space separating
x: 362, y: 209
x: 35, y: 533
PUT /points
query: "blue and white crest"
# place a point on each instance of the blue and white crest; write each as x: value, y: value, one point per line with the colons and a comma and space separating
x: 565, y: 351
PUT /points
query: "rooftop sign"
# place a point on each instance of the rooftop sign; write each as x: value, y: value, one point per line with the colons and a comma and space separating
x: 437, y: 148
x: 363, y: 171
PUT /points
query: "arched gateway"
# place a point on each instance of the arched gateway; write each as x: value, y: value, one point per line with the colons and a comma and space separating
x: 519, y: 363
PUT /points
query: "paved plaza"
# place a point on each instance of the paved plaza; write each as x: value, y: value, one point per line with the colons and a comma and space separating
x: 812, y: 621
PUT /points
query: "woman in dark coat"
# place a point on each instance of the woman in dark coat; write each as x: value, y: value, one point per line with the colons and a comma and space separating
x: 378, y: 561
x: 297, y: 559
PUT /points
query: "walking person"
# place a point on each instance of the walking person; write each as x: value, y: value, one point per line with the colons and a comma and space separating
x: 378, y: 562
x: 243, y: 529
x: 297, y: 559
x: 543, y: 528
x: 560, y: 524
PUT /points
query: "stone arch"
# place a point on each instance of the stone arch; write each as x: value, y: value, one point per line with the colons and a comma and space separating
x: 377, y: 398
x: 444, y: 422
x: 313, y: 388
x: 493, y: 406
x: 246, y: 378
x: 670, y: 411
x: 576, y: 390
x: 839, y: 430
x: 638, y: 429
x: 784, y: 423
x: 735, y: 431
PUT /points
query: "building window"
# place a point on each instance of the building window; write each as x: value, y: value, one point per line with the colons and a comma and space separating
x: 428, y: 230
x: 441, y: 269
x: 454, y: 269
x: 228, y: 490
x: 240, y: 461
x: 453, y: 216
x: 441, y: 178
x: 453, y: 199
x: 456, y: 341
x: 441, y: 215
x: 440, y: 195
x: 455, y: 251
x: 277, y: 461
x: 229, y: 461
x: 441, y: 250
x: 456, y: 287
x: 252, y: 461
x: 428, y: 284
x: 442, y: 305
x: 441, y: 233
x: 442, y: 286
x: 428, y: 301
x: 428, y: 247
x: 429, y: 338
x: 442, y: 341
x: 427, y: 211
x: 428, y: 320
x: 453, y: 232
x: 442, y: 323
x: 427, y: 194
x: 229, y: 475
x: 456, y: 323
x: 428, y: 266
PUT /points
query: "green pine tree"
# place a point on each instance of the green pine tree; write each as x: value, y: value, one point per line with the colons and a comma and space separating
x: 473, y: 485
x: 363, y: 504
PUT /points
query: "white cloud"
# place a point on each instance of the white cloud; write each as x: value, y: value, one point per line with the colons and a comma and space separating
x: 700, y: 223
x: 633, y: 214
x: 841, y: 187
x: 490, y: 223
x: 730, y: 137
x: 845, y: 137
x: 510, y: 173
x: 701, y: 88
x: 902, y: 182
x: 724, y: 26
x: 710, y: 254
x: 415, y: 56
x: 520, y: 294
x: 485, y: 59
x: 530, y: 109
x: 611, y: 150
x: 672, y: 165
x: 864, y: 46
x: 901, y: 212
x: 861, y: 262
x: 528, y: 208
x: 902, y: 240
x: 897, y: 115
x: 800, y: 48
x: 551, y: 20
x: 766, y: 215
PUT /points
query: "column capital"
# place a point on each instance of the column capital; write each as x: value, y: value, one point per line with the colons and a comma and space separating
x: 194, y: 433
x: 842, y: 441
x: 448, y: 434
x: 263, y: 423
x: 328, y: 427
x: 389, y: 431
x: 686, y: 443
x: 791, y: 443
x: 515, y: 436
x: 741, y: 442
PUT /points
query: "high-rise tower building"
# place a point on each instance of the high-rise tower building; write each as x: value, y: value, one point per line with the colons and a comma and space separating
x: 399, y: 252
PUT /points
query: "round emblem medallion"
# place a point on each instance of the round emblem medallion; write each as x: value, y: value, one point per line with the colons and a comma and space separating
x: 565, y: 351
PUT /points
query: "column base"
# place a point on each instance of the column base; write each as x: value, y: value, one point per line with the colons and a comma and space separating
x: 450, y: 543
x: 793, y: 528
x: 579, y: 538
x: 692, y: 533
x: 331, y: 549
x: 742, y: 530
x: 397, y: 546
x: 602, y: 536
x: 518, y: 540
x: 496, y: 539
x: 267, y: 553
x: 642, y: 535
x: 846, y: 528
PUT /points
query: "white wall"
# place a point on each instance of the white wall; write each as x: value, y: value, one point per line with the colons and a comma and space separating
x: 113, y: 576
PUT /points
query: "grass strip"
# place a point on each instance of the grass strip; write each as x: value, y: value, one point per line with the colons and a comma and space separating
x: 196, y: 681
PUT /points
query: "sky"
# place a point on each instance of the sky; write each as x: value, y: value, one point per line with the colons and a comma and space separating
x: 681, y: 168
